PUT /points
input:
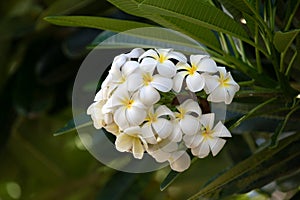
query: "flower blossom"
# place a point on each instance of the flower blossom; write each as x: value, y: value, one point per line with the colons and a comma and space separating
x: 208, y: 138
x: 131, y: 140
x: 221, y: 88
x: 160, y: 58
x: 156, y: 125
x: 194, y: 80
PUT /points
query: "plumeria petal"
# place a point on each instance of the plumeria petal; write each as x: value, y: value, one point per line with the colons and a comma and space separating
x: 159, y: 155
x: 138, y: 149
x: 202, y: 150
x: 192, y: 141
x: 123, y: 142
x: 176, y: 135
x: 148, y: 95
x: 148, y: 134
x: 167, y: 69
x: 216, y: 144
x: 189, y: 125
x: 135, y: 116
x: 162, y: 83
x: 149, y: 53
x: 206, y: 64
x: 221, y: 131
x: 129, y: 67
x: 148, y: 65
x: 195, y: 82
x: 207, y: 120
x: 218, y: 95
x: 191, y: 106
x: 162, y: 127
x: 179, y: 161
x: 135, y: 53
x: 177, y: 56
x: 178, y: 80
x: 211, y: 82
x: 120, y: 118
x: 163, y: 110
x: 134, y: 82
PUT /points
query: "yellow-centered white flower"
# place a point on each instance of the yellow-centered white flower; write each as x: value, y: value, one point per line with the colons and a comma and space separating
x: 131, y: 140
x: 221, y: 88
x: 208, y: 138
x: 194, y: 79
x: 127, y: 108
x: 187, y: 119
x: 157, y: 126
x: 160, y: 59
x: 148, y: 84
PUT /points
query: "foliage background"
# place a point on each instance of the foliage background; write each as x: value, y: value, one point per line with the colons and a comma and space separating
x: 38, y: 64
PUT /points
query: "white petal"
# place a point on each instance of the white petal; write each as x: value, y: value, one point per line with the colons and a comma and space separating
x: 167, y: 69
x: 218, y: 95
x: 162, y: 83
x: 195, y: 59
x: 216, y: 144
x: 195, y: 82
x: 119, y: 61
x: 221, y: 131
x: 133, y: 131
x: 135, y: 116
x: 148, y: 134
x: 177, y: 56
x: 135, y: 53
x: 163, y: 110
x: 189, y: 125
x: 192, y: 141
x: 180, y: 161
x: 191, y: 106
x: 207, y: 120
x: 163, y: 127
x: 149, y: 95
x: 202, y: 150
x: 148, y: 65
x: 134, y: 82
x: 129, y: 67
x: 178, y: 80
x: 211, y: 82
x: 138, y: 149
x: 123, y: 142
x: 222, y: 71
x: 169, y: 146
x: 176, y: 135
x: 207, y: 64
x: 120, y: 118
x: 160, y: 156
x: 149, y: 53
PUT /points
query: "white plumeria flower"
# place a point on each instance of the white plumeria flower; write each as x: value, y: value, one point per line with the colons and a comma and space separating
x: 127, y: 108
x: 156, y: 125
x: 131, y: 140
x: 187, y: 117
x: 95, y: 110
x: 148, y: 84
x: 161, y: 60
x: 208, y: 138
x: 194, y: 80
x: 169, y: 151
x: 220, y: 88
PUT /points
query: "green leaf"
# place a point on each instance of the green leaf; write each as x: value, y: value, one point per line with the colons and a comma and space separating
x: 256, y: 171
x: 96, y: 22
x: 61, y: 7
x: 196, y: 12
x: 283, y: 40
x: 71, y: 126
x: 169, y: 179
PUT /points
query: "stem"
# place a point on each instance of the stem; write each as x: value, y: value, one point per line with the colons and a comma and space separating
x: 287, y: 72
x: 280, y: 128
x: 289, y: 22
x: 246, y: 83
x: 251, y: 112
x: 257, y: 55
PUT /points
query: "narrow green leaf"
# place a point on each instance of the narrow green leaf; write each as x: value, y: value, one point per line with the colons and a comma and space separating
x: 197, y: 12
x: 283, y: 40
x: 256, y: 171
x: 71, y: 126
x: 95, y: 22
x: 169, y: 179
x: 61, y: 7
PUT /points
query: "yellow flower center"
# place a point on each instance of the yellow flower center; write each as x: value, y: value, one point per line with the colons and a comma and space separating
x: 223, y: 81
x: 151, y: 117
x: 191, y: 70
x: 180, y: 114
x: 206, y: 132
x: 147, y: 78
x: 161, y: 58
x: 128, y: 103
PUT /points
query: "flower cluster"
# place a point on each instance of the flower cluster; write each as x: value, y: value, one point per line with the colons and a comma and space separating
x: 131, y: 106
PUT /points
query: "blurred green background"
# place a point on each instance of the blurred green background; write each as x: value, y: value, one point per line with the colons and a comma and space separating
x: 38, y: 65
